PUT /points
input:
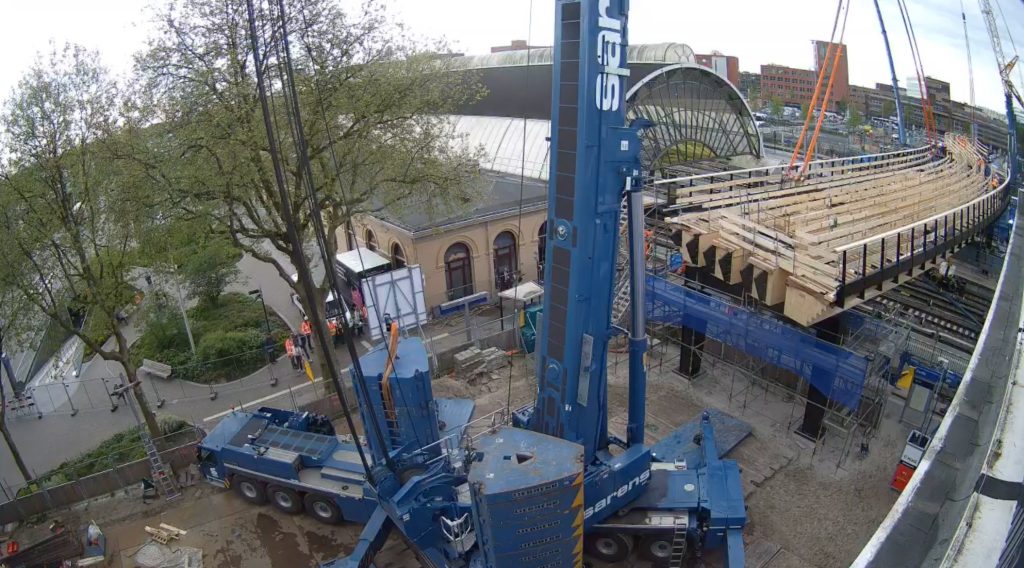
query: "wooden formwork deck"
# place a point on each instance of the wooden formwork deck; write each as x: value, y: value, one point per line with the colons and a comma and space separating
x: 785, y: 238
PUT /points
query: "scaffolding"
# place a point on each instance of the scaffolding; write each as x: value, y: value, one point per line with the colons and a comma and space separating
x: 752, y: 384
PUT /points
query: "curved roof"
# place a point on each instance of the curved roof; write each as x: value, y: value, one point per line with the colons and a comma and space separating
x: 696, y: 114
x: 503, y: 140
x: 670, y: 53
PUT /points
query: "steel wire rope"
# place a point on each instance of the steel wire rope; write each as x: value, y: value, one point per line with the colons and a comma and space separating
x: 798, y: 148
x: 519, y: 221
x: 918, y: 69
x: 809, y: 157
x: 285, y: 205
x: 347, y: 208
x: 290, y: 92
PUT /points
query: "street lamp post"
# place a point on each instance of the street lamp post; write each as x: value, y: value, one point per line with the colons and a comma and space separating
x: 267, y: 343
x: 184, y: 313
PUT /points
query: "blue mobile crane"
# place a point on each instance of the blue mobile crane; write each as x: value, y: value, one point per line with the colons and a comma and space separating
x: 546, y: 484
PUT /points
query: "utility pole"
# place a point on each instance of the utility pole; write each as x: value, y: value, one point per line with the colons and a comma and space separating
x: 268, y: 344
x: 184, y: 314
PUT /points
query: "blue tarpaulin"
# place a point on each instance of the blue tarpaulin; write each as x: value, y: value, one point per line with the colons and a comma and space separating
x: 836, y: 372
x: 928, y: 375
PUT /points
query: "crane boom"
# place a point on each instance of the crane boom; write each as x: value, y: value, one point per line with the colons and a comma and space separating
x: 895, y: 82
x: 593, y: 157
x: 970, y: 73
x: 1005, y: 67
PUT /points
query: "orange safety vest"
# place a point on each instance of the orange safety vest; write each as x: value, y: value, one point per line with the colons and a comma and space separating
x: 289, y: 347
x: 306, y: 328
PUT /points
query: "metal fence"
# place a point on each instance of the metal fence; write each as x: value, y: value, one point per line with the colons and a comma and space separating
x: 25, y: 501
x: 71, y: 396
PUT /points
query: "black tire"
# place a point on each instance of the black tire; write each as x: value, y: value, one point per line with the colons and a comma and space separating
x: 608, y: 547
x: 251, y: 490
x: 322, y: 508
x: 284, y: 499
x: 656, y: 548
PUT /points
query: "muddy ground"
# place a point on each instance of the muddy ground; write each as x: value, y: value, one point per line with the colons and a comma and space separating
x: 804, y: 509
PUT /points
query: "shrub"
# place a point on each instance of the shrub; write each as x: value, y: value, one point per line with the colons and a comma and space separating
x: 221, y: 352
x: 229, y: 335
x: 120, y: 448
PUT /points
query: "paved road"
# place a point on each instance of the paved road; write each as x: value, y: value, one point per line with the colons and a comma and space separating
x: 77, y: 411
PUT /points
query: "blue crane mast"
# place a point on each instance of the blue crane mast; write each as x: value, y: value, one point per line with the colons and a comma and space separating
x: 895, y: 82
x: 548, y: 484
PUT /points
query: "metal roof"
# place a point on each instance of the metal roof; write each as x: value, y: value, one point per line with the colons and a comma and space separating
x: 641, y: 53
x: 360, y: 259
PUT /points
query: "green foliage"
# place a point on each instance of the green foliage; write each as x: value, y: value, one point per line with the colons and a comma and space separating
x: 71, y: 205
x: 229, y: 336
x: 119, y: 449
x: 188, y: 250
x: 804, y: 109
x: 855, y: 119
x: 776, y: 107
x: 842, y: 106
x: 382, y: 93
x: 888, y: 109
x: 230, y: 354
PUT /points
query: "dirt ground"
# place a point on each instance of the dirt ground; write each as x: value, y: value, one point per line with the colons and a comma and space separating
x: 804, y: 511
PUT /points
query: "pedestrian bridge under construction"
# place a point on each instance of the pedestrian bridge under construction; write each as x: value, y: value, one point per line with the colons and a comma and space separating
x: 846, y: 230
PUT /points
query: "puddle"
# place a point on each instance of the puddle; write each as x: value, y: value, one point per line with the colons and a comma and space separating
x: 280, y: 546
x: 324, y: 547
x: 224, y: 556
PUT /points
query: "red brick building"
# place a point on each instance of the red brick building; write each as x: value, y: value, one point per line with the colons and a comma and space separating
x: 796, y: 86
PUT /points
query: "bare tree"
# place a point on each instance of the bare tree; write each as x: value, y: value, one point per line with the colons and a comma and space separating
x: 71, y: 212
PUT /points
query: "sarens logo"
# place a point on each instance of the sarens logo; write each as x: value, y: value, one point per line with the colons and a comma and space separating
x: 610, y: 55
x: 620, y: 492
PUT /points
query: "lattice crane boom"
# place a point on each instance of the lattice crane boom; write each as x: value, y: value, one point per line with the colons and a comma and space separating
x: 1005, y: 67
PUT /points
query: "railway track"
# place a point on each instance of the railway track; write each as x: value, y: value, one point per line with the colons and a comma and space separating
x: 956, y: 317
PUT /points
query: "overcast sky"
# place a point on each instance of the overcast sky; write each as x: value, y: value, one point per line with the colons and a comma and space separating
x: 755, y: 31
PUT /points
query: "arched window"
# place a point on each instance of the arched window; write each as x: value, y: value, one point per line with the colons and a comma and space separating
x: 397, y: 256
x: 542, y: 249
x: 506, y: 262
x: 458, y: 271
x: 371, y: 240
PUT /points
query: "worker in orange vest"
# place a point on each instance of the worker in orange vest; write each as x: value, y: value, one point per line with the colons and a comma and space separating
x: 306, y: 339
x: 332, y: 328
x: 293, y: 355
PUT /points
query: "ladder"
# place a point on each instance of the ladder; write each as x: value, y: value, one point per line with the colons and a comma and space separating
x: 156, y: 465
x: 678, y: 542
x: 620, y: 304
x: 621, y: 298
x: 622, y: 258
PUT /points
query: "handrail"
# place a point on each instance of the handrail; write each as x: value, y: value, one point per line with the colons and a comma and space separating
x: 907, y: 151
x: 909, y: 226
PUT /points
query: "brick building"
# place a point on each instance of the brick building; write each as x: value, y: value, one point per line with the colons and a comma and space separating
x: 795, y: 86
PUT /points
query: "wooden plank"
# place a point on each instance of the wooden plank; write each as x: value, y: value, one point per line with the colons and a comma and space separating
x: 173, y: 529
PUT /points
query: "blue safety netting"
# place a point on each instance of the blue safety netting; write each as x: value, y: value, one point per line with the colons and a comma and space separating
x: 836, y: 372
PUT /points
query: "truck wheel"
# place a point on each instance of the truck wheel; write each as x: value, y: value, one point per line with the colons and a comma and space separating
x: 608, y: 547
x: 657, y: 548
x: 322, y: 508
x: 251, y: 490
x: 286, y: 500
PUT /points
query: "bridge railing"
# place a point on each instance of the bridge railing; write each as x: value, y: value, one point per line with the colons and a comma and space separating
x: 873, y: 261
x: 733, y: 187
